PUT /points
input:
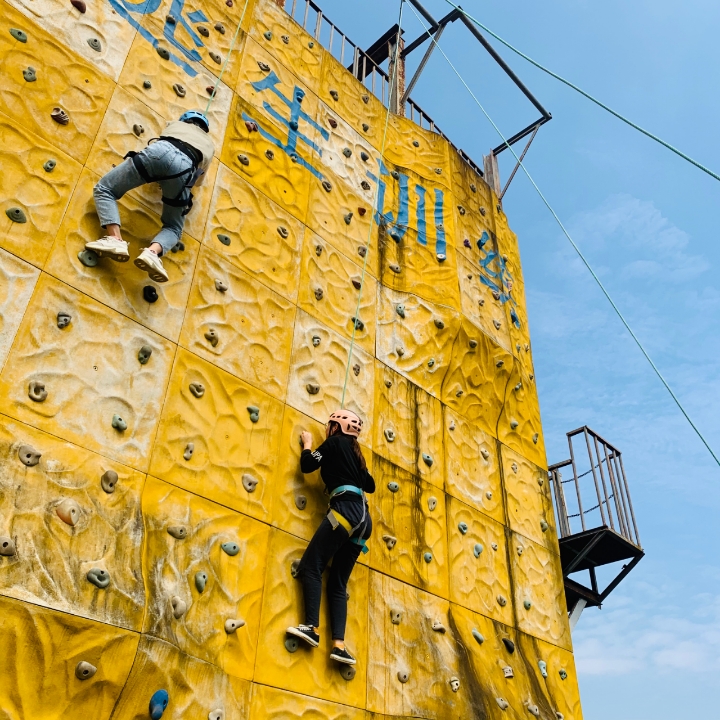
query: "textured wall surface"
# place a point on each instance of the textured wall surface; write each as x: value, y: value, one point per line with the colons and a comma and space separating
x: 126, y: 555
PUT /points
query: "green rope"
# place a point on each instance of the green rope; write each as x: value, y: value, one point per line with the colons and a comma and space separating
x: 227, y: 58
x: 629, y: 122
x: 578, y: 251
x: 372, y: 212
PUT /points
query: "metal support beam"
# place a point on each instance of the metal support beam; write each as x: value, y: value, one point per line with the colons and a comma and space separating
x: 421, y: 67
x: 576, y: 613
x: 517, y: 164
x: 428, y: 17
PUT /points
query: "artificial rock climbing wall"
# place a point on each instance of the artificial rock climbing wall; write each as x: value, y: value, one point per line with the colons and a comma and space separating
x: 151, y: 504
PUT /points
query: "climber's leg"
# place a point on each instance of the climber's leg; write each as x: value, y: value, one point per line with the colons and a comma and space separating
x: 342, y: 565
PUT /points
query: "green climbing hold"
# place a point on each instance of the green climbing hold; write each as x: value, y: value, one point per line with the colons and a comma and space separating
x: 254, y: 413
x: 19, y: 35
x: 99, y: 578
x: 49, y: 165
x: 88, y: 258
x: 84, y: 670
x: 267, y: 35
x: 16, y: 215
x: 163, y: 53
x: 95, y: 44
x: 200, y: 581
x: 144, y: 354
x: 400, y: 310
x: 527, y: 604
x: 427, y: 459
x: 179, y: 532
x: 231, y: 548
x: 477, y: 550
x: 463, y: 527
x: 108, y: 481
x: 147, y: 84
x: 291, y: 644
x: 119, y: 424
x: 29, y: 74
x: 347, y: 152
x: 563, y: 674
x: 348, y: 218
x: 393, y: 487
x: 427, y: 557
x: 478, y: 636
x: 224, y: 239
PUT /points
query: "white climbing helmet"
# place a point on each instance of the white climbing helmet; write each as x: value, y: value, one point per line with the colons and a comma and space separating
x: 348, y: 421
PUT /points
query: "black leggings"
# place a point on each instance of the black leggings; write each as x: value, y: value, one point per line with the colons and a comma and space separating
x: 332, y: 544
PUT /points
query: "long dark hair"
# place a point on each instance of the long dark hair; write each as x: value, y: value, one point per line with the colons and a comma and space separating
x: 354, y: 444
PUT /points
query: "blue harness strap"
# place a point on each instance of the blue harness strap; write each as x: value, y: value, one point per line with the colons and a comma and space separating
x: 345, y: 488
x: 362, y: 543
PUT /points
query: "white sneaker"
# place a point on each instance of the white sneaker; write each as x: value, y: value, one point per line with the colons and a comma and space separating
x: 110, y: 247
x: 152, y: 265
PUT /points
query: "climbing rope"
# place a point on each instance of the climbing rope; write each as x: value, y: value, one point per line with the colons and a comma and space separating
x: 576, y: 248
x: 227, y: 57
x: 619, y: 116
x: 356, y: 318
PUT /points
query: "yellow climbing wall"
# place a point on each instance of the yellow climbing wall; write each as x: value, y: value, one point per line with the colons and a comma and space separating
x: 159, y: 557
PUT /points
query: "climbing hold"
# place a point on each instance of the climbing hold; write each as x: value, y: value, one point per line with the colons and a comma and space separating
x: 365, y: 185
x: 356, y: 369
x: 49, y: 165
x: 147, y: 84
x: 431, y: 362
x: 295, y: 568
x: 494, y: 546
x: 108, y: 481
x: 533, y: 709
x: 427, y: 557
x: 499, y: 363
x: 68, y: 511
x: 497, y: 324
x: 473, y: 344
x: 559, y: 715
x: 393, y: 487
x: 318, y: 250
x: 37, y: 391
x: 138, y: 130
x: 459, y: 393
x: 427, y: 459
x: 508, y: 672
x: 158, y: 704
x: 503, y: 703
x: 312, y: 388
x: 119, y: 424
x: 179, y: 532
x: 544, y: 526
x: 285, y: 39
x: 541, y: 481
x: 395, y: 268
x: 179, y: 90
x: 334, y: 95
x: 318, y: 293
x: 268, y: 35
x: 348, y: 218
x: 249, y: 482
x: 359, y: 324
x: 197, y: 389
x: 332, y: 122
x: 189, y: 450
x: 327, y: 186
x: 231, y: 548
x: 432, y: 503
x: 150, y: 294
x: 99, y: 578
x: 87, y: 257
x: 251, y: 126
x: 291, y: 644
x: 28, y: 455
x: 79, y: 5
x: 388, y: 383
x: 220, y: 28
x: 519, y: 386
x: 95, y: 44
x: 514, y: 424
x: 348, y: 672
x: 220, y: 286
x: 300, y: 502
x: 438, y: 171
x: 311, y: 44
x: 84, y: 670
x: 543, y: 668
x: 485, y: 454
x: 170, y: 19
x: 437, y: 626
x: 395, y: 616
x: 215, y: 57
x: 509, y: 645
x: 17, y: 215
x: 563, y: 674
x: 362, y: 251
x: 520, y: 550
x: 203, y: 31
x: 7, y: 546
x: 495, y: 294
x: 466, y: 243
x: 282, y: 231
x: 357, y: 284
x: 216, y: 715
x: 29, y: 74
x: 403, y: 676
x: 481, y: 302
x: 224, y: 239
x: 347, y: 152
x: 19, y: 35
x: 243, y: 159
x: 439, y: 324
x: 461, y: 209
x: 478, y: 636
x: 400, y: 310
x: 200, y: 580
x: 389, y: 541
x: 212, y: 337
x: 535, y: 438
x: 144, y: 352
x: 514, y: 467
x: 163, y: 52
x: 366, y: 100
x: 454, y: 684
x: 232, y: 625
x: 488, y: 495
x: 502, y: 602
x: 315, y: 340
x: 416, y: 143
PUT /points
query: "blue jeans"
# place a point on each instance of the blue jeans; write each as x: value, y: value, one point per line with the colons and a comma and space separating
x: 159, y: 159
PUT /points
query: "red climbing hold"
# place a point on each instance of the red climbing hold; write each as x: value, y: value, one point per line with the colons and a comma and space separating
x: 332, y: 122
x: 229, y: 3
x: 361, y: 211
x: 210, y: 89
x: 79, y: 5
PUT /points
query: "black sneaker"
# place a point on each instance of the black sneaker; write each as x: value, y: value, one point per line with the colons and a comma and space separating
x: 306, y: 633
x: 343, y: 656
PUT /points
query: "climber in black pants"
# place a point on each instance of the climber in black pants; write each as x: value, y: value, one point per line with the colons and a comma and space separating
x: 342, y: 533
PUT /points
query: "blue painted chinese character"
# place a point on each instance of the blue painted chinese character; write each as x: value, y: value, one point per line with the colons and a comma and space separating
x: 496, y: 276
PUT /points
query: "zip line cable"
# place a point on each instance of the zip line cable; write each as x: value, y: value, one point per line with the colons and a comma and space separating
x: 227, y: 57
x: 577, y: 249
x: 629, y: 122
x: 356, y: 318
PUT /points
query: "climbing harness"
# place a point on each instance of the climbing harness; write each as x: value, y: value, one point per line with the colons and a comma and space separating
x: 342, y: 489
x: 587, y: 95
x: 572, y: 242
x: 336, y: 519
x: 375, y: 201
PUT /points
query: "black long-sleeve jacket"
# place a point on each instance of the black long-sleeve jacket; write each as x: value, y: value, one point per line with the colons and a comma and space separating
x: 338, y: 465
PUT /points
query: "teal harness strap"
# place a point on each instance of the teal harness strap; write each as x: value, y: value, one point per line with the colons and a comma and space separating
x: 362, y: 543
x: 345, y: 488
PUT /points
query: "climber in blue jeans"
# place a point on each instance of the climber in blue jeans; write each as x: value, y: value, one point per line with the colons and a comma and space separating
x: 343, y: 532
x: 177, y: 160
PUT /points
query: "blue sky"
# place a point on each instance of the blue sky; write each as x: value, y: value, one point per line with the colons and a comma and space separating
x: 648, y: 223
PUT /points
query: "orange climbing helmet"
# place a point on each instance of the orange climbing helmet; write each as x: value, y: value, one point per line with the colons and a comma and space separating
x: 349, y: 422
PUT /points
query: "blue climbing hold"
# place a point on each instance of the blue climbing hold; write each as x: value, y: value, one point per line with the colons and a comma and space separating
x: 462, y: 527
x: 158, y: 704
x: 427, y: 557
x: 231, y: 548
x: 393, y: 487
x: 478, y: 636
x: 477, y: 550
x: 200, y: 581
